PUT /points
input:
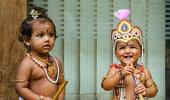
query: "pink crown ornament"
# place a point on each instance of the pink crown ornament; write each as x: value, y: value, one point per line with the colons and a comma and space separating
x: 122, y: 14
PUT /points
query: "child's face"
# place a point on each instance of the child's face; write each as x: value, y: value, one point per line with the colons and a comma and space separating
x: 128, y: 52
x: 43, y: 36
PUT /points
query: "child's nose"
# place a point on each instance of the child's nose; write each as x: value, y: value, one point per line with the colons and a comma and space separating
x: 127, y: 49
x: 46, y: 38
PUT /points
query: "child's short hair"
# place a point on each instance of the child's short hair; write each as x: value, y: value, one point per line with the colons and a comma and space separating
x: 26, y: 28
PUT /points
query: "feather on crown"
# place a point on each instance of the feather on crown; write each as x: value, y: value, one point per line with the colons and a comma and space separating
x: 125, y: 30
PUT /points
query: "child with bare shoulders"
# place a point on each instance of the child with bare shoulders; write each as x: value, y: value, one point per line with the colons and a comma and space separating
x: 39, y: 75
x: 129, y: 80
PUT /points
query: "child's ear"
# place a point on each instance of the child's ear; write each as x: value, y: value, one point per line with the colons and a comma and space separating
x: 26, y: 42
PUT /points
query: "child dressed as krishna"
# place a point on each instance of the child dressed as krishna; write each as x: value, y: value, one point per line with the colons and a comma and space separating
x: 129, y: 79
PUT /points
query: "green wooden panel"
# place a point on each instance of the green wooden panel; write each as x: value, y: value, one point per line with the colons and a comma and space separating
x: 156, y: 45
x: 87, y: 50
x: 104, y: 46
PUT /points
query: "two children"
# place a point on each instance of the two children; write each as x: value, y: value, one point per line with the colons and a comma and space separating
x: 39, y: 75
x: 128, y: 80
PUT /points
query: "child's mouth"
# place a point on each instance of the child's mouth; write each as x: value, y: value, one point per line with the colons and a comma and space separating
x: 46, y: 46
x: 128, y: 58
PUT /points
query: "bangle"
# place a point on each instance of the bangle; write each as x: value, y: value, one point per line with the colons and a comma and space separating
x: 41, y: 97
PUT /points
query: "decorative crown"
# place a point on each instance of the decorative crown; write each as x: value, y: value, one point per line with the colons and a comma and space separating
x: 125, y: 30
x: 34, y: 13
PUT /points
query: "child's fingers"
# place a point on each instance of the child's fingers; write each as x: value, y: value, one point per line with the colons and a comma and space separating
x: 130, y: 68
x: 127, y: 71
x: 140, y: 89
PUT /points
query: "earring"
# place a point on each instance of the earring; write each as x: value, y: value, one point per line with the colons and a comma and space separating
x: 28, y: 47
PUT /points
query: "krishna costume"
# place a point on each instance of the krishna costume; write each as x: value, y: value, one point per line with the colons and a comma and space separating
x: 52, y: 72
x: 125, y: 32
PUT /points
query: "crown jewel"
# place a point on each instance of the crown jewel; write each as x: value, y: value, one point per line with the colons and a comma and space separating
x: 125, y: 31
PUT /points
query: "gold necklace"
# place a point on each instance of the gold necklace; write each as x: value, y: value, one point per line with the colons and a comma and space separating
x: 47, y: 60
x: 52, y: 70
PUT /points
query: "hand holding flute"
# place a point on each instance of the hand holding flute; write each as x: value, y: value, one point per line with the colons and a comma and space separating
x: 140, y: 90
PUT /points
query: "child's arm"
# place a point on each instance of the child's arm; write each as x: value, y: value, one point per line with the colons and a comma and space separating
x: 114, y: 75
x: 22, y: 82
x: 151, y: 88
x: 111, y: 79
x: 61, y: 81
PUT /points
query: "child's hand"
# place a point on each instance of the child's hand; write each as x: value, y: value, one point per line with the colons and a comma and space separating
x: 47, y: 98
x: 128, y: 70
x: 140, y: 89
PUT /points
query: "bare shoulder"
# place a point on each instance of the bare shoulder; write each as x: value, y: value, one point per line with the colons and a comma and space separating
x: 25, y: 68
x: 26, y: 63
x: 112, y: 69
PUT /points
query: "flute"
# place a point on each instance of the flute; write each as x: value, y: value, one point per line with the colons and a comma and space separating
x: 140, y: 97
x: 137, y: 82
x: 63, y: 85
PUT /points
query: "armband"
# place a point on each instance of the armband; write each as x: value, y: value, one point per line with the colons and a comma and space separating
x: 20, y: 80
x: 153, y: 84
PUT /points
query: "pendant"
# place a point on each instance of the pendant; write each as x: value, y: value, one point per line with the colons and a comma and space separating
x: 52, y: 72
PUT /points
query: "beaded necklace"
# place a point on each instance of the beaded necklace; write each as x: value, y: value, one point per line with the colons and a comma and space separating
x: 50, y: 71
x: 120, y: 88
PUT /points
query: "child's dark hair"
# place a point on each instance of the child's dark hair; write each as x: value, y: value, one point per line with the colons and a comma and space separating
x: 26, y: 27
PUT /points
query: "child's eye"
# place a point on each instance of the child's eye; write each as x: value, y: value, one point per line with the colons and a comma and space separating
x: 51, y: 34
x: 40, y: 35
x: 123, y: 47
x: 134, y: 47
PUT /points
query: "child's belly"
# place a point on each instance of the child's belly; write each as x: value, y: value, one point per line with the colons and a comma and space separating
x: 43, y: 87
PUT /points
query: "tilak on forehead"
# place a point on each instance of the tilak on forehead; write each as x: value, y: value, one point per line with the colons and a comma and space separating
x: 125, y: 30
